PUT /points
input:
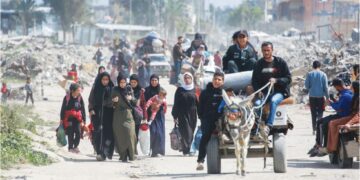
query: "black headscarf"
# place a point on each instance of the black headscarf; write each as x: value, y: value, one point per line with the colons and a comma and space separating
x: 198, y: 36
x: 100, y: 91
x: 119, y: 78
x: 151, y: 91
x: 101, y: 67
x: 137, y: 89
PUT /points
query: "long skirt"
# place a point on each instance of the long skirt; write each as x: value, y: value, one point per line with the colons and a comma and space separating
x: 157, y: 134
x: 103, y: 132
x: 187, y: 125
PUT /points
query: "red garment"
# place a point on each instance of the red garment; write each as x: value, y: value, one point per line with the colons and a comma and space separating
x: 90, y: 127
x: 154, y: 103
x: 73, y: 75
x: 4, y: 89
x: 144, y: 127
x: 71, y: 113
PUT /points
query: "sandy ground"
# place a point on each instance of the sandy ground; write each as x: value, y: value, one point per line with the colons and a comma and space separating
x: 173, y: 165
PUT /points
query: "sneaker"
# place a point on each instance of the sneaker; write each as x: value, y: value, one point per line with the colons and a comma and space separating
x: 225, y: 138
x: 76, y: 150
x: 71, y: 150
x: 322, y: 152
x: 314, y: 153
x: 312, y: 150
x: 100, y: 157
x: 200, y: 167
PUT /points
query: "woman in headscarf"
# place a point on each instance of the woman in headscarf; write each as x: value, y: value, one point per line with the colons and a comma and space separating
x: 157, y: 127
x: 123, y: 121
x: 101, y: 112
x: 101, y: 69
x: 143, y: 74
x: 138, y: 94
x: 184, y: 111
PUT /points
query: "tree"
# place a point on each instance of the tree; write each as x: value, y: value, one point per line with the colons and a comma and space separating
x: 175, y: 19
x: 69, y: 12
x: 25, y: 13
x: 245, y: 15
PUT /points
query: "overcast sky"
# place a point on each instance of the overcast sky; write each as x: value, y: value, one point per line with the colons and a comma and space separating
x: 222, y: 3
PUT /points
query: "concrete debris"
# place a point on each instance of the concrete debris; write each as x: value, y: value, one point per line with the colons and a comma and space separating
x: 44, y: 60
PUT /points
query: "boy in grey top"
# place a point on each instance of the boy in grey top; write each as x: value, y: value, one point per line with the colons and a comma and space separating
x: 29, y: 91
x: 317, y: 84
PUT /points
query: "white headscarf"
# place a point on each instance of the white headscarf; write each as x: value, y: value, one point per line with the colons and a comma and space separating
x: 190, y: 86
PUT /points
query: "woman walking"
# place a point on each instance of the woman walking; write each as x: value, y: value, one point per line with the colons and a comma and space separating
x: 123, y: 121
x: 138, y: 95
x: 101, y: 111
x: 184, y: 112
x: 157, y: 127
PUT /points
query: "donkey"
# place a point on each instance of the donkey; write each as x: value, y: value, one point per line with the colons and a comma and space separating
x: 239, y: 119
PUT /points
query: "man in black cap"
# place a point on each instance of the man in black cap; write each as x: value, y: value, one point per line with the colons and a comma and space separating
x: 241, y: 56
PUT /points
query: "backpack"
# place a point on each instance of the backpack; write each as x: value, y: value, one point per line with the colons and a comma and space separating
x: 67, y: 99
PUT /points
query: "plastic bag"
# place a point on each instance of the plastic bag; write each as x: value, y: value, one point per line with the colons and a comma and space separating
x: 175, y: 139
x: 197, y: 138
x: 144, y: 139
x: 61, y: 136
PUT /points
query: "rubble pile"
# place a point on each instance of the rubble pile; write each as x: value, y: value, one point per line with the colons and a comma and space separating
x: 42, y: 59
x: 336, y: 60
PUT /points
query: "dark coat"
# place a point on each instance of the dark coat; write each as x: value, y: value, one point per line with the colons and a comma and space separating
x: 263, y: 71
x: 209, y: 101
x: 245, y: 59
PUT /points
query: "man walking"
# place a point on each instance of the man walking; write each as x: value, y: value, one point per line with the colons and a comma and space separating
x: 178, y: 56
x: 317, y: 84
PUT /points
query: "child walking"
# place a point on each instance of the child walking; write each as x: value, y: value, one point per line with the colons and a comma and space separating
x: 29, y: 91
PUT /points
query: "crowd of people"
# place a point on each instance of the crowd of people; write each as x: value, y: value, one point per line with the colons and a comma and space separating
x: 120, y: 102
x: 346, y: 108
x: 113, y: 123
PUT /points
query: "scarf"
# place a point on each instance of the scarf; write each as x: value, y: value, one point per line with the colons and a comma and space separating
x: 190, y: 86
x: 151, y: 91
x: 102, y: 92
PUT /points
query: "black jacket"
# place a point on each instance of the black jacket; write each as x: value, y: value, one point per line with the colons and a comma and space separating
x: 209, y: 101
x: 76, y: 104
x: 178, y: 52
x: 279, y: 70
x: 245, y: 59
x: 195, y: 44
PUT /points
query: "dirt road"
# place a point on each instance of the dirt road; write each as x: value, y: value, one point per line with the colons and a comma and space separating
x: 174, y: 165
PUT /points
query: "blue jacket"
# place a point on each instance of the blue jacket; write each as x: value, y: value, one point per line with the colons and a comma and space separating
x: 343, y: 105
x: 316, y: 83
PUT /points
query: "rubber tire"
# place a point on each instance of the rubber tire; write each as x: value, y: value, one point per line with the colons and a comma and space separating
x: 213, y: 157
x: 333, y: 157
x: 344, y: 161
x: 279, y: 153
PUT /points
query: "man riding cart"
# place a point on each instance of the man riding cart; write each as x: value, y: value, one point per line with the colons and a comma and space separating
x: 248, y: 122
